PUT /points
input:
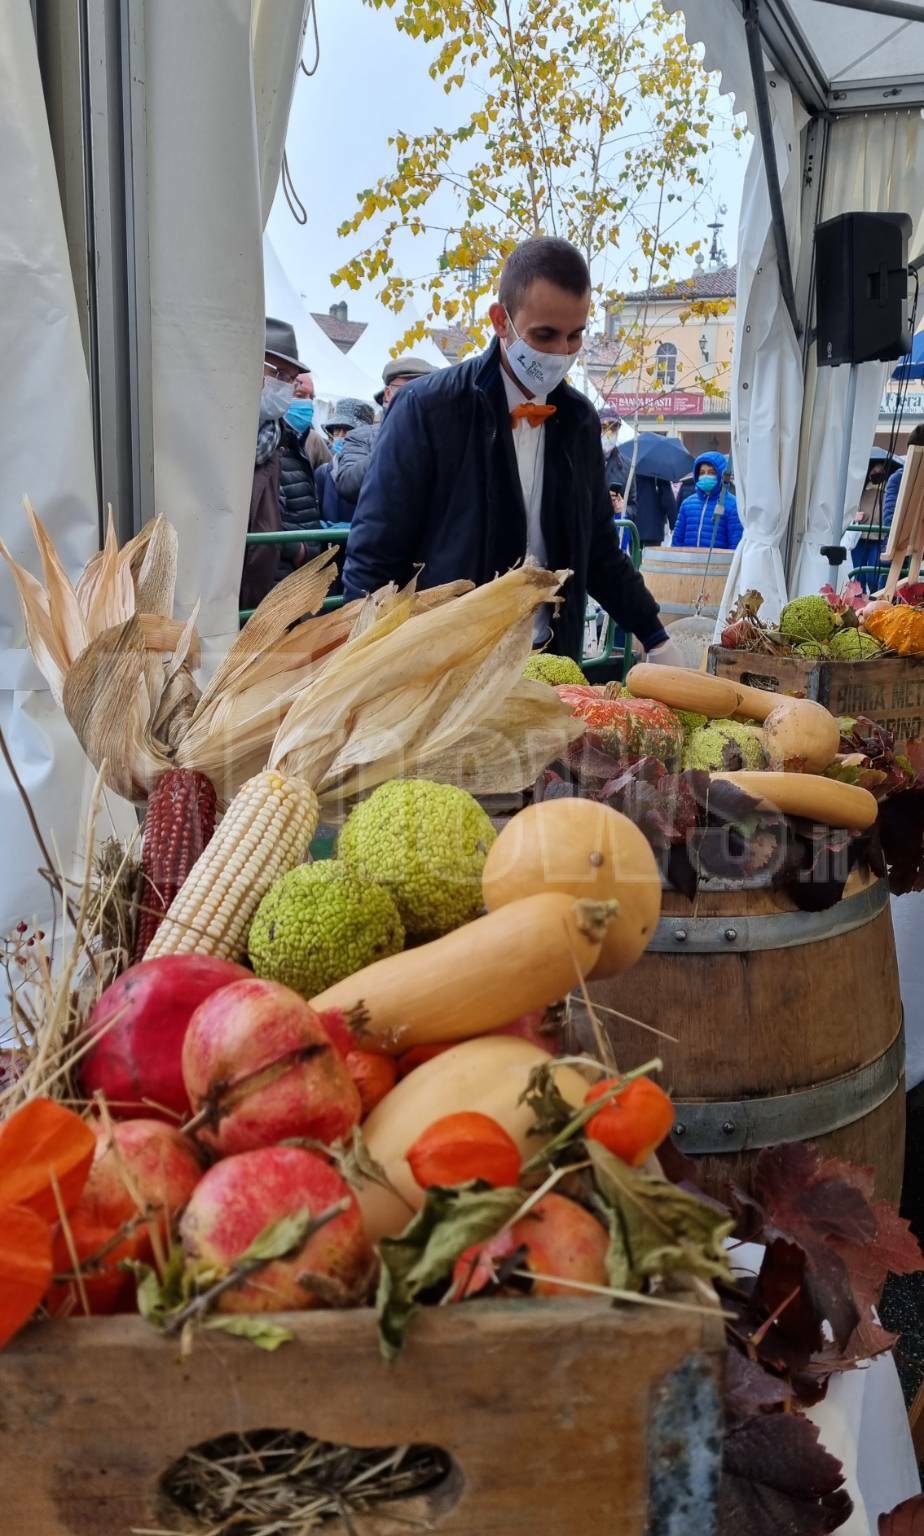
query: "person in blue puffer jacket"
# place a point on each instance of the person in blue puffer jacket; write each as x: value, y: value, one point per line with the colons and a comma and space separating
x: 697, y: 524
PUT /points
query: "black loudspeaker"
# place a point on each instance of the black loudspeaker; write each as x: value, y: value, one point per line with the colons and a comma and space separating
x: 861, y: 288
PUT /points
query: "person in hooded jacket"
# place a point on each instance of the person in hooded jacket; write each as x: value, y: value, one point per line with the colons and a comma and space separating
x: 701, y: 521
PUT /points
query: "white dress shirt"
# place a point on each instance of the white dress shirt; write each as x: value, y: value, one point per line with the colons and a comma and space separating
x: 529, y: 448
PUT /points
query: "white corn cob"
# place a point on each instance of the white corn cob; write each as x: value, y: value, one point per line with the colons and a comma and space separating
x: 264, y: 832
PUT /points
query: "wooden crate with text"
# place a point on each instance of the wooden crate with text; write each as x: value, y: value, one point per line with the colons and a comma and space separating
x: 887, y: 689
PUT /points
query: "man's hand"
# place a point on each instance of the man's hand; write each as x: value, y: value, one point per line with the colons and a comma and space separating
x: 667, y: 654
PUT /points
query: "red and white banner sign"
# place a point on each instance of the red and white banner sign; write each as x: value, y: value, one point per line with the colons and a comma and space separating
x: 676, y: 403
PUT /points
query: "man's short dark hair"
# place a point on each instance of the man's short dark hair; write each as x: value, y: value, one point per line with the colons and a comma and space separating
x: 557, y: 261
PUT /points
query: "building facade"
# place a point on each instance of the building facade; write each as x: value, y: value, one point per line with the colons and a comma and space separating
x: 666, y: 355
x: 681, y: 338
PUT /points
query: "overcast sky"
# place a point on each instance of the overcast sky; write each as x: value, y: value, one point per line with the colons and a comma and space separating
x: 371, y: 81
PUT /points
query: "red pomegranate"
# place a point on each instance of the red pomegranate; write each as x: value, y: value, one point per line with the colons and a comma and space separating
x: 139, y: 1023
x: 258, y: 1061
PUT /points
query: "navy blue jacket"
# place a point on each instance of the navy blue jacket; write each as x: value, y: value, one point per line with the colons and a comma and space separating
x: 333, y: 507
x: 442, y: 491
x: 696, y: 525
x: 655, y: 508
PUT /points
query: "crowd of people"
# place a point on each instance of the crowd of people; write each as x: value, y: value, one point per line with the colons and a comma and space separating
x: 464, y: 471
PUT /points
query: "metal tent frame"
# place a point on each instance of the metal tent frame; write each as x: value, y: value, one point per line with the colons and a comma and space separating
x: 773, y: 31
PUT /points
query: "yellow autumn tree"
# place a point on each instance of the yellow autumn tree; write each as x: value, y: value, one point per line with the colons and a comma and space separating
x: 594, y: 121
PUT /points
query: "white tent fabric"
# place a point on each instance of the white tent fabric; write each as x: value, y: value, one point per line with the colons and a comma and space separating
x: 206, y: 130
x: 383, y: 333
x: 875, y: 164
x: 277, y: 40
x: 767, y: 372
x: 46, y: 450
x: 336, y: 376
x: 848, y: 47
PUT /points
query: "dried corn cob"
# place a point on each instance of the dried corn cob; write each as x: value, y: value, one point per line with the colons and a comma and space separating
x: 264, y: 832
x: 178, y: 822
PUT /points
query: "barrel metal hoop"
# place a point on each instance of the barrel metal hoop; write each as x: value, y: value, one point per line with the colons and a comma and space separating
x: 784, y: 930
x: 743, y: 1125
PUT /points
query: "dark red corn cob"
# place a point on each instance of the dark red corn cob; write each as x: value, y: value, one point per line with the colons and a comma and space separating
x: 178, y: 822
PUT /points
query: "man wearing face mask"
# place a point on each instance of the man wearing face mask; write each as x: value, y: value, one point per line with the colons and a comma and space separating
x: 498, y: 458
x: 354, y: 458
x: 300, y: 510
x: 316, y: 448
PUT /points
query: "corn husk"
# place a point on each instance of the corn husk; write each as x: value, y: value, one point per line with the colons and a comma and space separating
x: 404, y: 695
x: 401, y: 683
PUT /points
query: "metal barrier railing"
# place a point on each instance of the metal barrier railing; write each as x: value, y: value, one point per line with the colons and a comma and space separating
x: 330, y: 537
x: 336, y: 536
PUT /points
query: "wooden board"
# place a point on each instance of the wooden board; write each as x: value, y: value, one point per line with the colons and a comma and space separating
x: 887, y: 689
x: 550, y: 1410
x: 686, y: 581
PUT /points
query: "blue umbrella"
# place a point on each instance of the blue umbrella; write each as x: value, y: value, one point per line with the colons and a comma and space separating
x: 664, y: 458
x: 912, y: 366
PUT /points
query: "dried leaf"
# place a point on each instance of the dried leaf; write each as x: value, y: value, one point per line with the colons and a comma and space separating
x: 906, y: 1519
x: 40, y: 1143
x: 657, y: 1228
x: 278, y: 1239
x: 450, y: 1221
x: 108, y: 705
x: 63, y: 607
x: 300, y: 593
x: 750, y: 1390
x: 777, y: 1477
x: 25, y: 1267
x: 258, y: 1330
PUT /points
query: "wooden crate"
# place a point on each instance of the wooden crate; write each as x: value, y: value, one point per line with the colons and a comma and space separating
x: 562, y: 1418
x: 888, y: 689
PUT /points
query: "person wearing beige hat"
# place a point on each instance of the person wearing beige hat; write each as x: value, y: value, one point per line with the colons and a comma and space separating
x: 349, y: 470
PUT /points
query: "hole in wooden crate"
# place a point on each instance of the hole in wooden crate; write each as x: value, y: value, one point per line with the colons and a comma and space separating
x: 760, y: 680
x: 271, y: 1480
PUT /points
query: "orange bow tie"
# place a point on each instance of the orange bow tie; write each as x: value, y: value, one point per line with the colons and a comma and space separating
x: 531, y: 412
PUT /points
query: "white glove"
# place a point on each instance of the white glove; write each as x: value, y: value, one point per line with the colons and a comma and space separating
x: 667, y: 654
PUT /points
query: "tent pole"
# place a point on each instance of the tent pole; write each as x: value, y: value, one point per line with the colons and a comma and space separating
x: 900, y: 8
x: 765, y: 127
x: 840, y: 510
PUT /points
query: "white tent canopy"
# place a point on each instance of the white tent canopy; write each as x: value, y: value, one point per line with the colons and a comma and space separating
x: 384, y: 331
x: 335, y: 373
x: 841, y: 83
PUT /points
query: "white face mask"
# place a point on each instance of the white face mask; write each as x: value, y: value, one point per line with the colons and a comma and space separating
x: 539, y: 372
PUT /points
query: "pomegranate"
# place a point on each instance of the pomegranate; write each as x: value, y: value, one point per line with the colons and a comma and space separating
x: 561, y: 1239
x: 143, y: 1157
x: 141, y: 1020
x: 258, y: 1060
x: 241, y: 1196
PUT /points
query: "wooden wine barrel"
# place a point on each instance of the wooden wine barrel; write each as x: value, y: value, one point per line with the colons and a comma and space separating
x: 674, y: 577
x: 788, y: 1027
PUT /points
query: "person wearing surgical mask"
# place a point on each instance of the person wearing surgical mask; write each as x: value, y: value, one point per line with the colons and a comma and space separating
x: 497, y: 459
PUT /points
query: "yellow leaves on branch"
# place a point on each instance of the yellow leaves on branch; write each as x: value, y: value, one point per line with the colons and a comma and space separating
x: 586, y: 108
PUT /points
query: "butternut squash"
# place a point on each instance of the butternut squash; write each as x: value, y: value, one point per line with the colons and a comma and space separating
x: 811, y: 795
x: 682, y: 688
x: 802, y: 734
x: 587, y: 850
x: 487, y: 1076
x: 518, y: 959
